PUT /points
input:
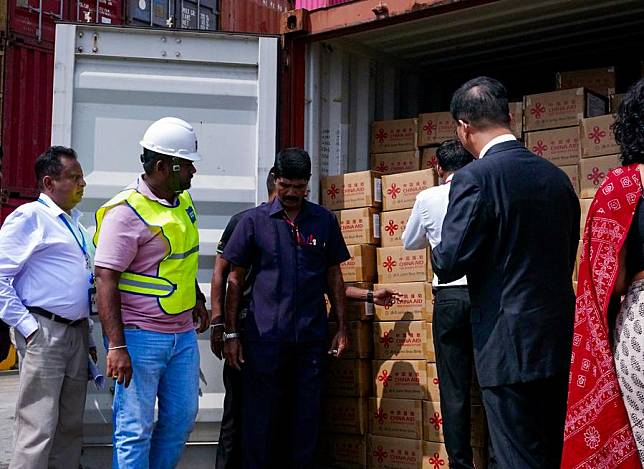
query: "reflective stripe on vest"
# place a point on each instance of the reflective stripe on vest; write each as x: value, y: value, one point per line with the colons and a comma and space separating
x: 174, y: 282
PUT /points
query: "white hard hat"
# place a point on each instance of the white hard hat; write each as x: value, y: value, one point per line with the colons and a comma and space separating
x: 173, y: 137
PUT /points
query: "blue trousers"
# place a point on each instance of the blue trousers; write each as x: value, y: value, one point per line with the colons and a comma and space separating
x: 165, y: 367
x: 282, y: 399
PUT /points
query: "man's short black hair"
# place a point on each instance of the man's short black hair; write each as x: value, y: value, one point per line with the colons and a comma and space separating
x: 452, y: 155
x: 270, y: 181
x: 149, y: 159
x: 482, y: 102
x: 49, y: 164
x: 292, y: 163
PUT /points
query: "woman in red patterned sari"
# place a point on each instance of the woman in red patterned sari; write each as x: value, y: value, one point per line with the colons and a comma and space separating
x: 605, y: 418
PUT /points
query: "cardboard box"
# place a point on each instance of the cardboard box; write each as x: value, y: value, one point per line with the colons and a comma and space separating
x: 599, y: 80
x: 351, y: 378
x: 614, y: 101
x: 346, y: 414
x: 479, y: 427
x: 392, y: 226
x: 355, y: 310
x: 400, y: 190
x: 435, y: 456
x: 432, y: 422
x: 593, y: 171
x: 563, y: 108
x: 433, y: 390
x: 597, y: 137
x: 436, y: 127
x: 560, y: 146
x: 585, y: 207
x: 572, y: 171
x: 393, y: 136
x: 516, y: 126
x: 398, y: 162
x: 347, y: 451
x: 403, y: 340
x: 400, y: 379
x: 351, y: 190
x: 416, y: 303
x: 361, y: 343
x: 428, y: 158
x: 385, y: 452
x: 397, y: 265
x: 362, y: 265
x: 400, y: 418
x: 360, y: 225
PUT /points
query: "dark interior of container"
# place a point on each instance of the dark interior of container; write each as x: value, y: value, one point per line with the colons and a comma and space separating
x: 523, y: 43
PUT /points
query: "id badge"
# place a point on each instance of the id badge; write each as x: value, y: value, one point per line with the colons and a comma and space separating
x: 91, y: 295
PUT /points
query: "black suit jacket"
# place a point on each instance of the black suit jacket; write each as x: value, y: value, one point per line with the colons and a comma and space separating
x: 512, y: 226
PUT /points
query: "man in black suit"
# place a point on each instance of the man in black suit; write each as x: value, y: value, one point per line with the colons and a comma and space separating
x: 512, y: 227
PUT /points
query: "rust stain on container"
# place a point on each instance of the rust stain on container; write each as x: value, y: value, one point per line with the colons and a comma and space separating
x: 253, y: 16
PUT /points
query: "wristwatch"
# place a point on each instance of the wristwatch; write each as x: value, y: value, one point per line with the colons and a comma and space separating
x: 230, y: 335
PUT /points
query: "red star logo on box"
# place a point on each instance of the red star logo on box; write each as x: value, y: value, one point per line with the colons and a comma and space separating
x: 333, y: 191
x: 381, y: 136
x: 596, y: 135
x: 393, y: 191
x: 391, y: 228
x: 380, y: 415
x: 382, y: 167
x: 380, y: 454
x: 436, y: 461
x: 436, y: 420
x: 540, y: 147
x: 386, y: 339
x: 429, y: 127
x: 596, y: 176
x: 389, y: 264
x: 537, y: 110
x: 384, y: 377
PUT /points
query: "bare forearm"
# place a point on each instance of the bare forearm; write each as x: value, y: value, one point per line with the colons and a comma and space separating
x: 234, y: 295
x: 355, y: 293
x: 109, y: 310
x: 337, y: 294
x: 218, y: 291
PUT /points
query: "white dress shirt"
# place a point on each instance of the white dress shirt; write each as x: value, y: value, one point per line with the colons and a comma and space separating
x: 426, y: 222
x: 496, y: 141
x: 42, y: 264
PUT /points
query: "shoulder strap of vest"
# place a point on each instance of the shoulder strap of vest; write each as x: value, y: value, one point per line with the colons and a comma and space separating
x: 118, y: 199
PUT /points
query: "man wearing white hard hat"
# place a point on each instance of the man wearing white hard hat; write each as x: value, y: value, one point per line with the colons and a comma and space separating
x: 149, y: 301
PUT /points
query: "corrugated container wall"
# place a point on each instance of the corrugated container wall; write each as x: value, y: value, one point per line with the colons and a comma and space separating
x: 316, y: 4
x: 253, y: 16
x: 26, y: 127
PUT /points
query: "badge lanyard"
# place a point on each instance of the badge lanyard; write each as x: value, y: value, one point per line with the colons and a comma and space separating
x: 82, y: 246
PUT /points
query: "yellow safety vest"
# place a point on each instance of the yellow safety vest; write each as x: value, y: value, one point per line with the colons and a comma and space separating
x: 174, y: 283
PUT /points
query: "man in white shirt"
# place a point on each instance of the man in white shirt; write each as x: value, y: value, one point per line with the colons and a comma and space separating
x: 46, y: 283
x: 451, y: 324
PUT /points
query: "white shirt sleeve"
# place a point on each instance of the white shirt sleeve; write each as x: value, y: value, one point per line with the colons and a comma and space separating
x: 19, y: 238
x: 415, y: 234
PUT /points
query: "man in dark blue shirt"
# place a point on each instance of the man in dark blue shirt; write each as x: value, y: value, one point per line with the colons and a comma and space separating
x: 295, y: 249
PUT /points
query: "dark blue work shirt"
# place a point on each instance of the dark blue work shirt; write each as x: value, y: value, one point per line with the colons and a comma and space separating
x: 290, y: 277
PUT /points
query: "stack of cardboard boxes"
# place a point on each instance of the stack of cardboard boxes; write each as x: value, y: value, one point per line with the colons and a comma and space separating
x: 356, y: 199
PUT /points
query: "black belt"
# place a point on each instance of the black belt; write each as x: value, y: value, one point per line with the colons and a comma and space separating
x: 54, y: 317
x: 445, y: 287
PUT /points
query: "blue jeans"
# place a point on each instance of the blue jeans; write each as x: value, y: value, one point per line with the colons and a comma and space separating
x: 164, y: 366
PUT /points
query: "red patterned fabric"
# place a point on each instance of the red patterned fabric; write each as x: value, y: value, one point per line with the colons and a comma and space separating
x: 598, y: 434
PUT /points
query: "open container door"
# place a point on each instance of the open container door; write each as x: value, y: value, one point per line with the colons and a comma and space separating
x: 111, y: 83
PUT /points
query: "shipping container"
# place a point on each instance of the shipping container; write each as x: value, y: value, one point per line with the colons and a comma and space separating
x: 9, y: 204
x: 111, y: 83
x: 182, y: 14
x: 253, y: 16
x: 317, y: 4
x: 96, y: 11
x: 364, y: 68
x: 26, y: 123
